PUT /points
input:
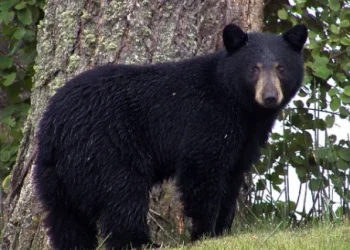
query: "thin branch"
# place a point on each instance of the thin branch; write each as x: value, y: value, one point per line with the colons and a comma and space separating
x: 313, y: 109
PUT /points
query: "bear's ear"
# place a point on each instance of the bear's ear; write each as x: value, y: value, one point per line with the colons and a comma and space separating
x: 234, y: 37
x: 296, y: 36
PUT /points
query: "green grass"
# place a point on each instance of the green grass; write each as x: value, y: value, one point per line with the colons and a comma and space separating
x: 318, y: 238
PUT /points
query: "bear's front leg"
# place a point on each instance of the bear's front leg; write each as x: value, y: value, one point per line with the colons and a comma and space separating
x: 228, y: 203
x: 201, y: 191
x: 234, y: 180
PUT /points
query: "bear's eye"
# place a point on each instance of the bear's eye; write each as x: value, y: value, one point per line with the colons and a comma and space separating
x: 280, y: 68
x: 255, y: 69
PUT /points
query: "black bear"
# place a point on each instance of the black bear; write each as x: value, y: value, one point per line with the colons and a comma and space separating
x: 111, y: 133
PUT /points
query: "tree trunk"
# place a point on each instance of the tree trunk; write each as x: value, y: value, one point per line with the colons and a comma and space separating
x: 76, y: 35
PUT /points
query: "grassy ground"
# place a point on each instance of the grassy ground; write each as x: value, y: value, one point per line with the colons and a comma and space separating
x: 318, y: 238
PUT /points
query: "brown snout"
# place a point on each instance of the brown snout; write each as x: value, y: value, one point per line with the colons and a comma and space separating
x: 270, y: 97
x: 268, y: 91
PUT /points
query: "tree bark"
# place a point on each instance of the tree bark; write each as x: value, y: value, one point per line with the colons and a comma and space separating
x: 76, y: 35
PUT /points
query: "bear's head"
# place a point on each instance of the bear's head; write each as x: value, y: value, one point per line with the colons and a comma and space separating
x: 264, y: 67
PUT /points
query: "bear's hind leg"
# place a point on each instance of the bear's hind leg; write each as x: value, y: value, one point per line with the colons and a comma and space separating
x: 201, y: 194
x: 123, y: 219
x: 68, y: 230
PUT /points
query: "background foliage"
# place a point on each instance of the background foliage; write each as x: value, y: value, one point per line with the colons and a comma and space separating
x: 18, y: 20
x: 305, y: 145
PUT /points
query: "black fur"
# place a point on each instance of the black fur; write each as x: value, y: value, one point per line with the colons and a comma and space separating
x: 233, y: 37
x: 296, y: 36
x: 111, y: 133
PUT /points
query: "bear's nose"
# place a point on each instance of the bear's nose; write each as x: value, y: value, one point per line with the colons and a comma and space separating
x: 270, y: 101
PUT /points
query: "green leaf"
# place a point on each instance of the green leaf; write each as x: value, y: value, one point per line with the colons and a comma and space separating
x: 301, y: 172
x: 9, y: 79
x: 334, y: 5
x: 8, y: 31
x: 320, y: 68
x: 277, y: 188
x: 296, y: 120
x: 5, y: 62
x: 298, y: 104
x: 7, y: 4
x: 345, y: 41
x: 20, y: 6
x: 7, y: 17
x: 7, y: 111
x: 344, y: 14
x: 16, y: 135
x: 35, y: 14
x: 261, y: 184
x: 41, y: 4
x: 274, y: 178
x: 343, y: 112
x: 6, y: 184
x: 344, y: 23
x: 347, y: 90
x: 282, y: 14
x: 25, y: 16
x: 31, y: 2
x: 312, y: 34
x: 343, y: 165
x: 340, y: 77
x: 335, y: 103
x: 323, y: 73
x: 313, y: 44
x: 330, y: 121
x: 303, y: 93
x: 344, y: 98
x: 23, y: 107
x: 19, y: 34
x: 14, y: 47
x: 297, y: 159
x: 5, y: 156
x: 320, y: 124
x: 334, y: 29
x: 344, y: 153
x: 8, y: 121
x: 333, y: 92
x: 29, y: 36
x: 315, y: 184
